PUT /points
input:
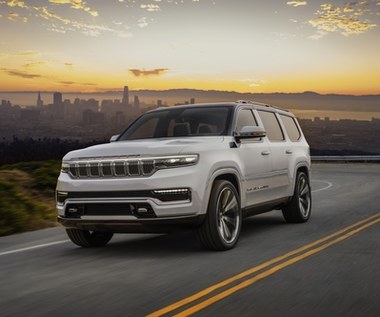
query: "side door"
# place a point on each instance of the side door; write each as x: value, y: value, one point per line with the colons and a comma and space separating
x: 280, y: 154
x: 297, y: 148
x: 256, y: 161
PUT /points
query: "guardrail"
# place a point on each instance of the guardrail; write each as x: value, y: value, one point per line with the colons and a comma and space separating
x: 346, y: 158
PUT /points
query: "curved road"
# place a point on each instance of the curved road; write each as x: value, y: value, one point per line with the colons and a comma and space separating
x: 326, y: 267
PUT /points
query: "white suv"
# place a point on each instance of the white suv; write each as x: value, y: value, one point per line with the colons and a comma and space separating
x: 204, y: 166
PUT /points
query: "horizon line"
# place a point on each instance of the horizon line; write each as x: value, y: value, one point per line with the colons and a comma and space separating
x: 199, y: 90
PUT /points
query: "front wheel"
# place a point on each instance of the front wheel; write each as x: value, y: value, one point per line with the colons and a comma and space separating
x: 299, y: 208
x: 222, y: 225
x: 88, y: 239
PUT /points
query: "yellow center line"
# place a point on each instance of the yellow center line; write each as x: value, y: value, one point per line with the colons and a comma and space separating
x: 252, y: 270
x: 269, y: 272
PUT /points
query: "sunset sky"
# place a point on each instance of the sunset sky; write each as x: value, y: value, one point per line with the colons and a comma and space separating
x: 242, y: 45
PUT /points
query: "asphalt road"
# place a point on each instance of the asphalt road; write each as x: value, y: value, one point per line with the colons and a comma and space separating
x: 43, y: 274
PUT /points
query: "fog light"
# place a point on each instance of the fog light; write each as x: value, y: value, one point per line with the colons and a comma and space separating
x: 172, y: 194
x: 142, y: 210
x: 73, y: 210
x: 171, y: 191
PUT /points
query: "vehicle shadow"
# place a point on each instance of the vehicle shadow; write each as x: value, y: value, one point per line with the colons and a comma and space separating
x: 261, y: 223
x: 176, y: 243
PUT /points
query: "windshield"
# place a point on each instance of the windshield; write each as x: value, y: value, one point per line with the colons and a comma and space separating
x: 180, y: 122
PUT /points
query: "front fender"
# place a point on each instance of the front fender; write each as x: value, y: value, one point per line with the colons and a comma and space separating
x: 217, y: 173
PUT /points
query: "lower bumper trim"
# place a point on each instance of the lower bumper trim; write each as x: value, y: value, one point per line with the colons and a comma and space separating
x: 154, y: 225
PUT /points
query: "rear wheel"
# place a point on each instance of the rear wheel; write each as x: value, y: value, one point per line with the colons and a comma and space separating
x: 88, y: 239
x: 299, y: 208
x: 222, y: 225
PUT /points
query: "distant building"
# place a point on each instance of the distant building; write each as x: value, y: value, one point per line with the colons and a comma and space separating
x: 58, y: 110
x: 29, y: 115
x: 91, y: 117
x: 125, y: 100
x: 159, y: 102
x: 40, y: 103
x: 192, y: 101
x: 6, y: 103
x: 57, y: 98
x: 136, y: 103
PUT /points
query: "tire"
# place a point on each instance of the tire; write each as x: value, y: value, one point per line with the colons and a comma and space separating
x: 221, y: 228
x: 89, y: 239
x: 299, y: 208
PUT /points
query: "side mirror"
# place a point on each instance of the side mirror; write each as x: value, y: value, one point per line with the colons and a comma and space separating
x: 114, y: 137
x: 251, y: 132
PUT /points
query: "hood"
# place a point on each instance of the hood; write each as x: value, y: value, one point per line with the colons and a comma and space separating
x: 148, y: 147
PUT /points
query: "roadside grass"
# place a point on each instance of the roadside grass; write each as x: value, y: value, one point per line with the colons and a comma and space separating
x: 27, y: 196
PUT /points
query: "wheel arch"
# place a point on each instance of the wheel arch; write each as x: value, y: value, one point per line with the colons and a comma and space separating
x: 301, y: 167
x: 305, y: 169
x: 229, y: 174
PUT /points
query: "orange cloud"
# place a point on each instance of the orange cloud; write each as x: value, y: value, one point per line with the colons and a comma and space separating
x: 21, y: 74
x: 76, y: 4
x: 33, y: 64
x: 150, y: 7
x: 67, y: 83
x: 17, y: 3
x: 296, y: 3
x: 14, y: 16
x: 151, y: 72
x: 344, y: 20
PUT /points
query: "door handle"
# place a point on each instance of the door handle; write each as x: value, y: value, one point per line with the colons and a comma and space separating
x: 288, y: 151
x: 265, y: 153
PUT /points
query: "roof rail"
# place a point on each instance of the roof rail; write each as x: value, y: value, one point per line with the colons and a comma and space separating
x: 260, y: 104
x: 253, y: 102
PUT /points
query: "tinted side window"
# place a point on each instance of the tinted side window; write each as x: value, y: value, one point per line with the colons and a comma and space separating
x: 272, y: 126
x: 245, y: 118
x: 291, y: 127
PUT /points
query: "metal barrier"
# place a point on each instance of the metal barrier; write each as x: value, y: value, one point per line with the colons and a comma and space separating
x: 346, y: 158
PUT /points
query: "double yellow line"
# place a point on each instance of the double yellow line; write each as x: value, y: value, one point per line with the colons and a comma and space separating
x: 210, y: 295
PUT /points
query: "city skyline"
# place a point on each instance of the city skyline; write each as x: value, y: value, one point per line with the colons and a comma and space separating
x: 243, y: 46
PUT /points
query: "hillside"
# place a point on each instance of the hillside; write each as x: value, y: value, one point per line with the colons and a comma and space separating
x: 306, y: 100
x: 27, y: 196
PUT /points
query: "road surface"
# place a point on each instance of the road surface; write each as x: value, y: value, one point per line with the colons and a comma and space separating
x: 329, y: 266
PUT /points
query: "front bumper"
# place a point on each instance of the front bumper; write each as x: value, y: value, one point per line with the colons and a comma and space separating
x: 157, y: 191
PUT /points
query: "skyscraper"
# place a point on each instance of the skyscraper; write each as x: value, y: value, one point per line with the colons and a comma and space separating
x: 126, y: 96
x: 58, y: 108
x: 136, y: 103
x: 57, y: 99
x: 40, y: 103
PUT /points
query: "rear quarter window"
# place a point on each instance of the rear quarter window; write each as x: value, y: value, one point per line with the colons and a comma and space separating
x: 271, y: 126
x: 291, y: 128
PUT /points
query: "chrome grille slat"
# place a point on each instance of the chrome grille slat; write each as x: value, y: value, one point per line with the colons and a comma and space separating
x: 77, y: 169
x: 140, y: 167
x: 100, y: 169
x: 127, y: 168
x: 100, y: 166
x: 112, y: 168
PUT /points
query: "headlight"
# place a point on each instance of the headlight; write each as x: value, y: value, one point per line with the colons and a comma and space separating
x: 65, y: 168
x: 176, y: 161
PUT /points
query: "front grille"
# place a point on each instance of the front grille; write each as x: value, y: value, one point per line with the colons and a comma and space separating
x: 112, y: 168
